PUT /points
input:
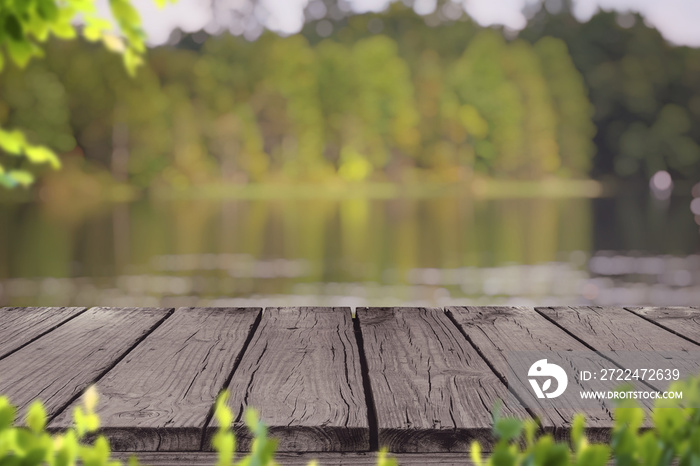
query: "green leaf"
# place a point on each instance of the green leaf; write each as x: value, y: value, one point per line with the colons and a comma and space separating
x: 6, y: 181
x: 508, y: 428
x: 554, y: 454
x: 384, y: 460
x: 41, y: 154
x: 649, y: 447
x: 14, y: 28
x: 124, y: 12
x: 101, y: 23
x: 63, y: 29
x: 475, y: 453
x: 101, y: 448
x: 252, y: 420
x: 594, y: 455
x: 224, y: 444
x: 12, y: 142
x: 37, y: 28
x: 502, y: 455
x: 90, y: 399
x: 91, y: 422
x: 113, y: 43
x: 35, y: 456
x: 92, y: 33
x: 132, y: 61
x: 669, y: 422
x: 7, y: 411
x: 67, y: 449
x: 631, y: 416
x: 36, y: 416
x: 22, y: 51
x: 530, y: 428
x: 79, y: 421
x: 47, y: 9
x: 577, y: 435
x: 222, y: 412
x: 21, y: 177
x: 95, y: 28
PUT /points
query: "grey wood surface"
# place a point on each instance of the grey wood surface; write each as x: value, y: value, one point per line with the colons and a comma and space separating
x: 302, y: 373
x: 22, y: 325
x: 303, y: 459
x: 159, y: 396
x: 628, y: 340
x: 512, y: 338
x: 433, y: 376
x: 57, y: 367
x: 431, y: 389
x: 683, y: 321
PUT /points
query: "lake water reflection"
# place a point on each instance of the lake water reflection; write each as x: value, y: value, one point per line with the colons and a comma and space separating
x: 352, y: 252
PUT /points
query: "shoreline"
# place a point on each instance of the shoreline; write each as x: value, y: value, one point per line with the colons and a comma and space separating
x: 477, y: 189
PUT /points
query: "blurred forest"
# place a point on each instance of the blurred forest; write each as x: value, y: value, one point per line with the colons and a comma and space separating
x: 391, y: 96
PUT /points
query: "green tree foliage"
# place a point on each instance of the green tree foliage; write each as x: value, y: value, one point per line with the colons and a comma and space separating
x: 539, y: 153
x: 506, y: 104
x: 354, y: 106
x: 638, y: 84
x: 663, y: 144
x: 386, y: 96
x: 485, y: 93
x: 25, y: 27
x: 367, y: 98
x: 292, y: 114
x: 575, y: 128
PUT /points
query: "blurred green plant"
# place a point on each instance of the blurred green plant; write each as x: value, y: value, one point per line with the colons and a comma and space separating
x: 25, y: 26
x: 645, y: 91
x: 673, y: 439
x: 33, y: 445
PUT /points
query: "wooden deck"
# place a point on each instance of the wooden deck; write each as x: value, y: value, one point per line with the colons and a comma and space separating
x: 422, y: 382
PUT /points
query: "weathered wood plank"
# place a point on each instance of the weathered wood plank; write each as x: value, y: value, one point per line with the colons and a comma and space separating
x: 57, y: 367
x: 21, y: 325
x: 506, y: 335
x: 302, y: 373
x: 628, y: 340
x: 159, y: 396
x: 303, y: 459
x: 684, y: 321
x: 431, y: 390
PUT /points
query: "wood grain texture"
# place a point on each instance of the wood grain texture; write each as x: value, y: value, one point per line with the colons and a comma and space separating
x: 302, y: 373
x: 505, y: 335
x: 684, y: 321
x: 159, y: 396
x: 431, y: 390
x: 303, y: 459
x: 628, y: 340
x: 21, y: 325
x: 57, y: 367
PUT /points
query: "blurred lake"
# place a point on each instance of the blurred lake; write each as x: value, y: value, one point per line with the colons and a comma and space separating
x: 628, y: 249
